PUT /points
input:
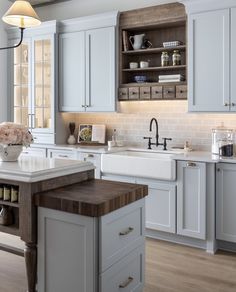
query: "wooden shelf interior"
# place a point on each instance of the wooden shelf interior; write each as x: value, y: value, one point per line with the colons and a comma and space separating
x: 8, y: 203
x: 156, y: 35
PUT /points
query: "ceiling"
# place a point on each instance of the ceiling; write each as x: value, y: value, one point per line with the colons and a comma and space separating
x: 42, y: 2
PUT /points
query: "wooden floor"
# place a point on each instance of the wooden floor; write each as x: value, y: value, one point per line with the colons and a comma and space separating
x: 169, y: 268
x: 176, y: 268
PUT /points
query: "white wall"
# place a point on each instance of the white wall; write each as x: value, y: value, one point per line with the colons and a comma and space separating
x: 3, y: 63
x: 76, y: 8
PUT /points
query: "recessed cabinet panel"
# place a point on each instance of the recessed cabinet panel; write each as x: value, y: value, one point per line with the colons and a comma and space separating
x: 191, y: 199
x: 233, y: 59
x: 100, y: 73
x: 225, y: 202
x: 160, y: 207
x: 72, y: 71
x: 209, y: 47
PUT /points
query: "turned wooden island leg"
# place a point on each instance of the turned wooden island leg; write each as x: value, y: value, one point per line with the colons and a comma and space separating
x: 30, y: 253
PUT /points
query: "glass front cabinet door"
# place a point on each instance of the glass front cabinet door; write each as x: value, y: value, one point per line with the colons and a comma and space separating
x: 34, y: 86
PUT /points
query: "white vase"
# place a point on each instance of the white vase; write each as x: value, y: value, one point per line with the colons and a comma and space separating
x: 10, y: 152
x: 71, y: 140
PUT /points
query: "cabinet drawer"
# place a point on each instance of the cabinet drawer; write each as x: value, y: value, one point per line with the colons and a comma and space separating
x: 35, y: 152
x: 181, y: 91
x: 169, y: 92
x: 134, y: 93
x: 120, y: 232
x: 126, y: 275
x: 123, y: 94
x: 145, y: 92
x: 157, y: 92
x: 62, y: 154
x: 44, y: 138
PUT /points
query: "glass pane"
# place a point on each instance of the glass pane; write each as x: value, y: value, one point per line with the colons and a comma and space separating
x: 38, y: 51
x: 47, y: 118
x: 17, y: 74
x: 25, y: 117
x: 38, y: 74
x: 25, y: 97
x: 17, y: 115
x: 17, y: 55
x: 38, y: 96
x: 17, y: 96
x: 24, y: 75
x: 38, y: 118
x: 47, y: 97
x: 47, y: 50
x: 24, y: 54
x: 47, y: 74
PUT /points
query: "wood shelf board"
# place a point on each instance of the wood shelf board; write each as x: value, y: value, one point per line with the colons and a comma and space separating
x: 154, y: 50
x: 8, y: 203
x: 12, y: 229
x: 152, y: 84
x: 166, y: 68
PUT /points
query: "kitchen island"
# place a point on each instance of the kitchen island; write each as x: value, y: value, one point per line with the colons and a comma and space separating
x: 67, y: 187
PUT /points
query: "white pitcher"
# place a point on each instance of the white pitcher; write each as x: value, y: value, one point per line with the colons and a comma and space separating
x: 137, y: 41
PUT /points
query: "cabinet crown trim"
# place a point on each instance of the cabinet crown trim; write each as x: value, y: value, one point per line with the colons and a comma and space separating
x: 195, y: 6
x: 89, y: 22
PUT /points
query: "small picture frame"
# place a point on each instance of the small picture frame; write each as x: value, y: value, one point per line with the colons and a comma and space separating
x: 85, y: 133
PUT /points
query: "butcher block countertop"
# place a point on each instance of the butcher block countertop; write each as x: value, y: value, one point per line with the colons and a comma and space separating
x: 92, y: 198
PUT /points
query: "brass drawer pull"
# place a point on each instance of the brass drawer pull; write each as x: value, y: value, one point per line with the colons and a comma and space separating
x: 129, y: 230
x: 226, y: 104
x: 126, y: 283
x: 134, y: 93
x: 233, y: 104
x: 191, y: 164
x: 63, y: 156
x: 90, y: 156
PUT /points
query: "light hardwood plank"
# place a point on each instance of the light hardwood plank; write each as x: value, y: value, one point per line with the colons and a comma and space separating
x: 169, y: 268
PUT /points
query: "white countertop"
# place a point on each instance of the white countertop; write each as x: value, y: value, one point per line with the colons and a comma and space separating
x: 33, y: 169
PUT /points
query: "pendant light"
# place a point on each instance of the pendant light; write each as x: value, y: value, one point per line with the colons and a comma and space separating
x: 21, y: 14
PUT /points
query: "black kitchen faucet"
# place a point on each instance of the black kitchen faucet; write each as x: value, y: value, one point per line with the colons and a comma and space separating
x: 157, y: 136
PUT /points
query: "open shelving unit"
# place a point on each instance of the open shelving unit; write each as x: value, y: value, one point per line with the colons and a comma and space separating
x: 163, y: 23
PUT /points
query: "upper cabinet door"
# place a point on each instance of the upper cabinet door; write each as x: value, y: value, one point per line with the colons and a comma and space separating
x: 100, y: 70
x: 72, y: 71
x: 233, y: 59
x: 209, y: 55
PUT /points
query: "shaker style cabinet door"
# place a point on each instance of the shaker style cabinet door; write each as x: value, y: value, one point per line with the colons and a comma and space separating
x: 209, y: 58
x: 72, y: 71
x: 100, y: 70
x: 225, y: 202
x: 233, y: 59
x: 191, y: 199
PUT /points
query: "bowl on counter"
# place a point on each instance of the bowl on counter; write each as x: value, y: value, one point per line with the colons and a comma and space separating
x: 140, y: 78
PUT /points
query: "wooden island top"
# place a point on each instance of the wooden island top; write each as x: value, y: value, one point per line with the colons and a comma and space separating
x: 93, y: 198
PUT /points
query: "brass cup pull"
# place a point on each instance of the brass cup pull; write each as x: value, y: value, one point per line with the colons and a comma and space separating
x: 233, y: 104
x: 191, y: 164
x: 63, y: 156
x: 126, y: 283
x: 226, y: 104
x: 126, y: 232
x: 90, y: 156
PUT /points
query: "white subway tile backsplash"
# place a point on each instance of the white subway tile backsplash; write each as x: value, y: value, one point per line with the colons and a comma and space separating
x: 132, y: 122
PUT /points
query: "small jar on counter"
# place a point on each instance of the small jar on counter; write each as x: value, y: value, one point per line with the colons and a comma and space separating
x: 176, y: 58
x: 165, y: 59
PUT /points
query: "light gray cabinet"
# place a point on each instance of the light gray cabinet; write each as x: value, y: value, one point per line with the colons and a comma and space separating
x: 72, y: 71
x: 209, y: 61
x: 233, y: 59
x: 66, y: 252
x: 94, y: 158
x: 225, y: 202
x: 87, y: 64
x: 160, y: 206
x: 81, y: 253
x: 191, y: 199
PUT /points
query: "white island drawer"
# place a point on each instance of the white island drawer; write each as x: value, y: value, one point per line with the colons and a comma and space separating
x: 120, y: 232
x: 127, y: 275
x: 62, y: 154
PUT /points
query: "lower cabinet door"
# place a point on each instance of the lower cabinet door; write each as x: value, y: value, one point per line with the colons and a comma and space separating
x: 126, y: 275
x: 160, y: 207
x: 191, y: 199
x: 67, y: 252
x: 94, y: 158
x: 225, y: 202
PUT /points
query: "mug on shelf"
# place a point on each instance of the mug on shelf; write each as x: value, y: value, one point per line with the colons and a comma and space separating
x: 144, y: 64
x: 133, y: 65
